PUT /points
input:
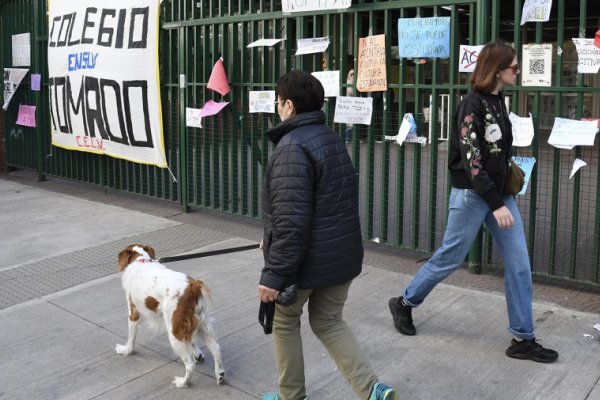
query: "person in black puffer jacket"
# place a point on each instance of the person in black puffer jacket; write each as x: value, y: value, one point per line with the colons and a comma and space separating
x: 312, y: 239
x: 480, y: 151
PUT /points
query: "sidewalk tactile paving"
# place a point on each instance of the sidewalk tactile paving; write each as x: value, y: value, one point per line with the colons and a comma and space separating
x: 41, y: 278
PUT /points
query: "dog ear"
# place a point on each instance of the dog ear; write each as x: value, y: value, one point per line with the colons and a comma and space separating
x: 124, y: 256
x: 150, y: 251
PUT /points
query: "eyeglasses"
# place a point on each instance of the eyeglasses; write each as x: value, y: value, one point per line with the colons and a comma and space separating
x: 515, y: 68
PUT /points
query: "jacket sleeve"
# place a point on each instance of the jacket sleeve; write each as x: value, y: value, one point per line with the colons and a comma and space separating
x: 475, y: 152
x: 291, y: 195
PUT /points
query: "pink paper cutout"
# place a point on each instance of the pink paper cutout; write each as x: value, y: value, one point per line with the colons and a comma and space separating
x: 218, y: 79
x: 597, y: 38
x: 26, y: 115
x: 212, y: 108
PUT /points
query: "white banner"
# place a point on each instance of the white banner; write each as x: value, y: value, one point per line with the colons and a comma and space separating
x: 104, y: 78
x: 12, y: 79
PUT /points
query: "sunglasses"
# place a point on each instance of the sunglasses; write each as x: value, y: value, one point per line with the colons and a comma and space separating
x: 515, y: 68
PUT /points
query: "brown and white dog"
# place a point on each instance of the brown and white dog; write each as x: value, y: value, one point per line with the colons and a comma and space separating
x: 157, y: 296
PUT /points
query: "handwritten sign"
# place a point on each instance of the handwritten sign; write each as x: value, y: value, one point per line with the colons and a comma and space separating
x: 36, y: 81
x: 353, y: 110
x: 537, y: 65
x: 372, y: 73
x: 26, y: 116
x: 193, y: 117
x: 522, y: 130
x: 21, y: 50
x: 262, y: 101
x: 568, y: 133
x: 291, y: 6
x: 330, y: 81
x: 588, y: 61
x: 536, y: 11
x: 313, y: 45
x: 468, y: 58
x: 109, y: 50
x: 526, y: 164
x: 424, y: 37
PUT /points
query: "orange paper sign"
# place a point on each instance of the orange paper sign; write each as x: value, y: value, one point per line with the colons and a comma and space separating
x: 372, y: 74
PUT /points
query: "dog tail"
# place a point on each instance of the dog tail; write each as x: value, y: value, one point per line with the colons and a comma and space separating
x: 185, y: 321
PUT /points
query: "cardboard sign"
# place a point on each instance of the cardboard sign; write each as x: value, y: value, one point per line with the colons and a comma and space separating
x: 372, y: 73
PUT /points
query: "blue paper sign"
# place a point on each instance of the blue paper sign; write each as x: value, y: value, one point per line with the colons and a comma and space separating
x: 526, y: 164
x: 424, y: 37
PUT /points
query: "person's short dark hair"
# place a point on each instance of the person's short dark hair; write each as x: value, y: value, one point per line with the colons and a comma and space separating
x: 493, y: 58
x: 303, y: 89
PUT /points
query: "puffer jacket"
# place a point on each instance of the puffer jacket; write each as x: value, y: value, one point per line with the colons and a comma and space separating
x: 480, y: 147
x: 310, y: 207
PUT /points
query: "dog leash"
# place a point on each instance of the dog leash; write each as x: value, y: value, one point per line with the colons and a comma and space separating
x: 208, y: 253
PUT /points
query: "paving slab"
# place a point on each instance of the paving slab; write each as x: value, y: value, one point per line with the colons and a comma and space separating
x: 58, y: 342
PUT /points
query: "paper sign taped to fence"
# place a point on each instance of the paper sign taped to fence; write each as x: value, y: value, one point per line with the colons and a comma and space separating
x: 372, y: 73
x: 424, y: 37
x: 526, y: 164
x: 310, y: 46
x: 468, y: 58
x: 212, y: 108
x: 36, y: 82
x: 104, y: 78
x: 569, y: 132
x: 262, y: 101
x: 577, y: 165
x: 522, y: 130
x: 21, y: 50
x: 588, y: 56
x: 330, y: 81
x: 264, y: 42
x: 353, y: 110
x: 291, y: 6
x: 12, y: 80
x: 193, y: 118
x: 26, y: 116
x: 536, y: 11
x: 537, y: 65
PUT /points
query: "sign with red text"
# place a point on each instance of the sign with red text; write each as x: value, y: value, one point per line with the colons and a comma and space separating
x: 467, y: 59
x: 26, y: 116
x: 104, y: 79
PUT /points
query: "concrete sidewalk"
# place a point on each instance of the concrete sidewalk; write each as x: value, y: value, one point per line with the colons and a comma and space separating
x: 62, y: 310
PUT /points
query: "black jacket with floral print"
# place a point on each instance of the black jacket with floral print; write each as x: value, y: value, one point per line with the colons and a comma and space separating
x: 480, y: 147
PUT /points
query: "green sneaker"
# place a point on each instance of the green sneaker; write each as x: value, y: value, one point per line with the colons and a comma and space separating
x: 275, y: 396
x: 381, y: 391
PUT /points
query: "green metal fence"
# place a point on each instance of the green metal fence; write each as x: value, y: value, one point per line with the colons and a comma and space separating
x: 403, y: 189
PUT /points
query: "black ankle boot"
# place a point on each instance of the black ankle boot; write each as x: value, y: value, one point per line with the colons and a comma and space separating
x: 402, y: 316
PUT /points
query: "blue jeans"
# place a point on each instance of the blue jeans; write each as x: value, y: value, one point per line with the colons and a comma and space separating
x: 348, y: 135
x: 468, y: 211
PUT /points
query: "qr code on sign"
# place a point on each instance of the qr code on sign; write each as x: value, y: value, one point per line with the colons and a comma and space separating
x: 537, y: 67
